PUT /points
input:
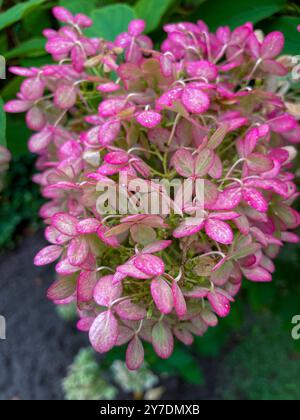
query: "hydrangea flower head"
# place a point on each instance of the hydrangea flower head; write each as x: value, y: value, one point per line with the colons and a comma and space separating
x: 109, y: 118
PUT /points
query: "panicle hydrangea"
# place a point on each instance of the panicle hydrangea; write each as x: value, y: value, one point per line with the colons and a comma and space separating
x: 197, y: 109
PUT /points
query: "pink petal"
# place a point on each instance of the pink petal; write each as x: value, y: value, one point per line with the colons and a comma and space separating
x: 229, y: 199
x: 219, y: 231
x: 202, y: 69
x: 274, y: 67
x: 85, y: 324
x: 149, y: 264
x: 273, y: 45
x: 149, y: 119
x: 189, y: 227
x: 220, y: 304
x: 255, y: 199
x: 35, y: 119
x: 78, y: 251
x: 257, y: 274
x: 65, y: 223
x: 136, y: 27
x: 209, y: 318
x: 162, y: 295
x: 259, y: 163
x: 179, y: 300
x: 32, y: 89
x: 62, y: 14
x: 88, y: 226
x: 117, y: 158
x: 17, y: 106
x: 109, y: 132
x: 228, y: 215
x: 162, y: 340
x: 111, y: 107
x: 183, y: 162
x: 59, y: 46
x: 83, y: 21
x: 40, y: 141
x: 195, y: 101
x: 135, y: 354
x: 64, y: 268
x: 106, y: 291
x: 85, y: 285
x: 283, y: 124
x: 48, y: 255
x: 78, y: 58
x: 104, y: 332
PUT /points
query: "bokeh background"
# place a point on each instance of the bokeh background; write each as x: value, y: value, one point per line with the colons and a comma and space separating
x: 250, y: 355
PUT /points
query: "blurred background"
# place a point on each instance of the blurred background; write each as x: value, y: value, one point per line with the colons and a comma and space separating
x: 250, y: 355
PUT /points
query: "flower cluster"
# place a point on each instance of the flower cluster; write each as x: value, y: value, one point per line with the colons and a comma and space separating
x: 198, y: 109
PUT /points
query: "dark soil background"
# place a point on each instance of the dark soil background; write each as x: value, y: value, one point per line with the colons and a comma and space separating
x: 39, y: 346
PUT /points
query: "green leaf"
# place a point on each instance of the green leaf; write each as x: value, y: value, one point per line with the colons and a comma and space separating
x: 17, y: 134
x: 79, y: 6
x: 234, y: 13
x: 17, y: 12
x: 34, y: 47
x: 152, y: 11
x: 287, y: 25
x: 110, y: 21
x: 2, y: 124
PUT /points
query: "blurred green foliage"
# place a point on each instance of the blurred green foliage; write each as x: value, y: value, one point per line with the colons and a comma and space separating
x: 263, y: 365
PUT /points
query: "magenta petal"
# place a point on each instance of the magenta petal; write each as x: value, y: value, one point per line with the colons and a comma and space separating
x: 48, y: 255
x: 162, y: 295
x: 219, y: 231
x: 179, y: 300
x: 109, y: 132
x: 17, y: 106
x: 202, y: 69
x: 195, y: 101
x: 149, y: 119
x: 220, y: 304
x: 257, y: 274
x: 78, y: 251
x: 283, y: 124
x: 229, y: 199
x: 273, y: 45
x: 106, y: 291
x: 135, y: 354
x: 189, y: 227
x: 104, y: 332
x: 62, y: 14
x: 85, y: 285
x: 162, y: 340
x: 84, y: 324
x: 65, y: 223
x: 204, y: 162
x: 150, y: 264
x: 40, y: 141
x: 255, y: 199
x: 88, y: 226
